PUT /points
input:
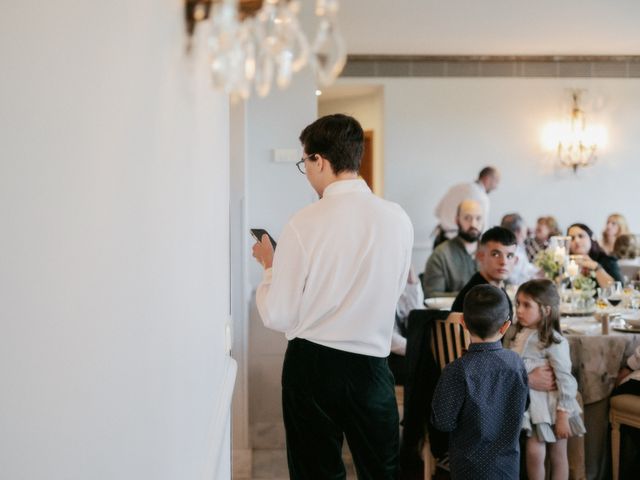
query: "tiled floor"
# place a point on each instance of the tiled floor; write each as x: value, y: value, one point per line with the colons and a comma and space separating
x: 272, y: 465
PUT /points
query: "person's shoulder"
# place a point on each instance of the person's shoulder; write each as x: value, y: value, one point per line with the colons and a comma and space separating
x: 442, y: 248
x: 455, y: 368
x: 559, y: 342
x: 509, y: 354
x: 305, y: 214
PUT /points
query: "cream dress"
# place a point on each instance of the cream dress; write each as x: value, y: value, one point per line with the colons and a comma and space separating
x: 540, y: 417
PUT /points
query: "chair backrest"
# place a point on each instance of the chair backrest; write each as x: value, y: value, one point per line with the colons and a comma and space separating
x: 449, y: 341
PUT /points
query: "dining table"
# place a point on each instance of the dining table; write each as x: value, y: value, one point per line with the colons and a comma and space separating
x: 598, y: 351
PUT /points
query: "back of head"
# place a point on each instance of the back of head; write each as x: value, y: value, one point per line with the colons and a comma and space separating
x: 626, y: 246
x: 338, y: 138
x: 485, y: 310
x: 512, y: 222
x: 500, y: 235
x: 487, y: 172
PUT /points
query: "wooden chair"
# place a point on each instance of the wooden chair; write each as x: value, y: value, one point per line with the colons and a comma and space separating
x: 449, y: 340
x: 623, y: 410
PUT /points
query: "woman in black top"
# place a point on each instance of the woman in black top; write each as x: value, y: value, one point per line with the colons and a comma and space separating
x: 591, y: 256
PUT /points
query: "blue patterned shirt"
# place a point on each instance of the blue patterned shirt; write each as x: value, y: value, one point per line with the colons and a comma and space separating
x: 480, y: 399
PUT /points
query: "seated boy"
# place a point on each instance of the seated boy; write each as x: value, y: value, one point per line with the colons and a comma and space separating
x: 481, y: 397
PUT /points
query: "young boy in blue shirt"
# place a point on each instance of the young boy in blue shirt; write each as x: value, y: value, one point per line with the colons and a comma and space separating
x: 481, y: 397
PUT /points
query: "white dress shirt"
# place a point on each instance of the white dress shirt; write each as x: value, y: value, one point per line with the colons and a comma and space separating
x: 338, y: 271
x: 447, y: 208
x: 523, y: 270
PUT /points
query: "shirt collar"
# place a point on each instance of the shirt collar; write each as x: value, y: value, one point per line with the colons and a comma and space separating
x: 346, y: 186
x: 481, y: 347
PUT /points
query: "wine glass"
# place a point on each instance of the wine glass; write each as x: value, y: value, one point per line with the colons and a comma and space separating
x: 614, y: 293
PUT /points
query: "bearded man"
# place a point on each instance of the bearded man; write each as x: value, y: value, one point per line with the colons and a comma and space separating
x: 452, y: 263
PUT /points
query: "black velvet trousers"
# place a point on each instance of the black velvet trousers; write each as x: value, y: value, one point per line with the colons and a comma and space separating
x: 329, y: 394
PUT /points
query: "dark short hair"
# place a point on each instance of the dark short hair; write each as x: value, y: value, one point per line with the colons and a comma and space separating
x: 338, y: 138
x: 486, y: 171
x: 498, y: 234
x: 512, y: 222
x: 485, y: 309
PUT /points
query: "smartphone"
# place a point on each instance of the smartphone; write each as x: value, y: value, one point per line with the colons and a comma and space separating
x: 257, y: 233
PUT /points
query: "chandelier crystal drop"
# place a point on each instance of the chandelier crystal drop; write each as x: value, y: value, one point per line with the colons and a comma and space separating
x: 270, y: 47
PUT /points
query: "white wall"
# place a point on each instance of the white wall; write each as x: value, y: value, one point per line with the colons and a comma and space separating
x: 275, y: 192
x: 114, y: 285
x: 440, y: 131
x: 368, y: 110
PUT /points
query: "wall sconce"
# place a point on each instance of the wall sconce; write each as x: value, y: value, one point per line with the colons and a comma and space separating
x: 575, y: 142
x: 254, y: 43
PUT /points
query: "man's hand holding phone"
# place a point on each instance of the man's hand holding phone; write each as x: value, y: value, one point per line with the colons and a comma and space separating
x: 263, y: 250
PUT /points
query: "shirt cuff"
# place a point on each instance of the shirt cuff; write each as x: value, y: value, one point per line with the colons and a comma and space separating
x: 266, y: 276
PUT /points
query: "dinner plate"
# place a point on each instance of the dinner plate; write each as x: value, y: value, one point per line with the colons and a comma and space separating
x: 439, y: 303
x: 627, y: 329
x: 632, y: 319
x: 567, y: 311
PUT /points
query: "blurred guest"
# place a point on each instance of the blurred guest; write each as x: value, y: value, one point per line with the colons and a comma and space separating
x: 626, y: 251
x: 411, y: 298
x: 591, y: 257
x: 523, y: 270
x: 446, y: 211
x: 452, y: 263
x: 546, y: 227
x: 625, y: 247
x: 616, y: 226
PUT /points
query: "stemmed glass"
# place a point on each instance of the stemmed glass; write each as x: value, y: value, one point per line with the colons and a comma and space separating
x: 614, y: 293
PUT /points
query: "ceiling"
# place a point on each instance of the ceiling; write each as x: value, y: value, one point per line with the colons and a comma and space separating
x: 491, y: 27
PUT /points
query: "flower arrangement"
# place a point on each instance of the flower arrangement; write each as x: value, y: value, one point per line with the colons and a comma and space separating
x: 585, y: 285
x: 547, y: 261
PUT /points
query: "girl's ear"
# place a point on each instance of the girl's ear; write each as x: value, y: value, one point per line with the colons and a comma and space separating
x: 546, y: 310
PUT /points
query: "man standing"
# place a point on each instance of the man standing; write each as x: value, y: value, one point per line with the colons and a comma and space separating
x: 488, y: 180
x: 452, y: 263
x: 332, y: 288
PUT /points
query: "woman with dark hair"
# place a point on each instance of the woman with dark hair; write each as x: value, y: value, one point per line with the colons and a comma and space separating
x: 590, y: 256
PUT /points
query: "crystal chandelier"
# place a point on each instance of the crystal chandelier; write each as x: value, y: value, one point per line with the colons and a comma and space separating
x: 255, y: 51
x: 576, y: 142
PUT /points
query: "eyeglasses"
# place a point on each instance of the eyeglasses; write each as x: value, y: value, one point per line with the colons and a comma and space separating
x: 300, y: 164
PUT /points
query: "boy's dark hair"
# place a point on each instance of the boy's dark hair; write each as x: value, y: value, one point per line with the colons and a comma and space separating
x: 500, y: 235
x: 485, y: 310
x: 338, y: 138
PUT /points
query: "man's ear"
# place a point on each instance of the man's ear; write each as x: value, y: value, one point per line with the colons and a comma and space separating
x: 462, y: 321
x: 480, y: 254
